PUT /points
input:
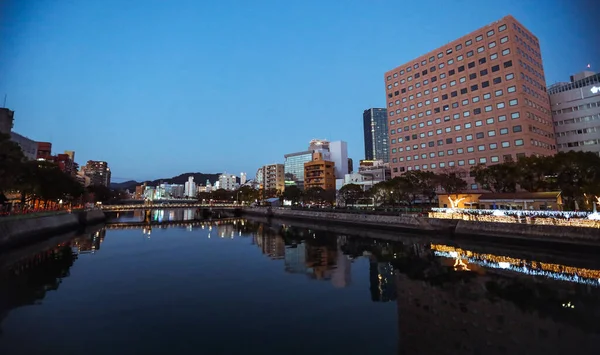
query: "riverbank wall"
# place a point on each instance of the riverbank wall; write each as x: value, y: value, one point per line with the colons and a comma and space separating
x: 15, y: 232
x: 515, y: 232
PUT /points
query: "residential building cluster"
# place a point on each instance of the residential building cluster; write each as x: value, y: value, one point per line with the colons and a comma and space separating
x: 190, y: 189
x: 93, y: 173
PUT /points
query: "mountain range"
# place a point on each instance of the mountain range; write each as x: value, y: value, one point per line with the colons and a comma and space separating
x: 199, y: 178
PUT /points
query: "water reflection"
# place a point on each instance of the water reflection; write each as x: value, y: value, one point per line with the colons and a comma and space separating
x: 449, y: 299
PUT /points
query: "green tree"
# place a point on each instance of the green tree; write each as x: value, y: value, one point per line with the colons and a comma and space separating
x: 421, y: 183
x: 292, y: 193
x: 534, y: 174
x: 246, y: 194
x: 11, y: 159
x: 319, y: 195
x: 496, y: 178
x: 350, y: 193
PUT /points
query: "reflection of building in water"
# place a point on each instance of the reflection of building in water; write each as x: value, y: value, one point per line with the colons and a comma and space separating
x: 320, y: 259
x: 226, y: 230
x: 189, y: 215
x: 295, y: 259
x: 89, y: 243
x: 271, y: 244
x: 383, y: 285
x: 138, y: 214
x: 342, y: 273
x: 441, y: 311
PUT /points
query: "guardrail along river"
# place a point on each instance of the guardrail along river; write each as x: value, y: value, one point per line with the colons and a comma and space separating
x: 170, y: 282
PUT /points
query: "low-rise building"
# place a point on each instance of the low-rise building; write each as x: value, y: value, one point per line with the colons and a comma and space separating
x: 576, y: 113
x: 271, y: 177
x: 538, y: 201
x: 228, y: 182
x: 6, y: 120
x: 319, y: 173
x: 370, y: 172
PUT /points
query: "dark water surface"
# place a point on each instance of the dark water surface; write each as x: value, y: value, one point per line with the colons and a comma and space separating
x: 178, y: 285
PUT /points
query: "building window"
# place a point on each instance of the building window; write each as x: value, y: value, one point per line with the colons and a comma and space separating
x: 518, y: 142
x: 501, y: 118
x: 478, y: 38
x: 500, y: 105
x: 495, y: 68
x: 479, y: 135
x: 494, y: 56
x: 517, y: 128
x: 502, y: 28
x: 515, y: 115
x: 493, y: 146
x: 494, y: 159
x: 468, y: 43
x: 511, y: 89
x: 480, y: 49
x: 506, y: 51
x: 503, y: 131
x: 513, y: 102
x: 482, y: 161
x: 471, y: 161
x: 492, y: 45
x: 505, y: 144
x: 481, y: 148
x: 497, y: 80
x: 508, y: 64
x: 488, y: 108
x: 490, y: 33
x: 469, y: 54
x: 471, y: 65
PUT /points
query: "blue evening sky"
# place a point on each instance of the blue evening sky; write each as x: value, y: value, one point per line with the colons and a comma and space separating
x: 158, y: 88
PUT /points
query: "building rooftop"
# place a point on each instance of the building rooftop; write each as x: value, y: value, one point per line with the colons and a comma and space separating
x: 578, y: 80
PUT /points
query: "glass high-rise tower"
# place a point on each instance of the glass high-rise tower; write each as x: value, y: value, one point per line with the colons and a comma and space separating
x: 376, y: 134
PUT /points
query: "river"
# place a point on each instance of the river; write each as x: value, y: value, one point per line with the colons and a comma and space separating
x: 170, y: 282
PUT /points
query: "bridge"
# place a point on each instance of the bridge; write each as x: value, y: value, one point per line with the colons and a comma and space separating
x: 161, y: 206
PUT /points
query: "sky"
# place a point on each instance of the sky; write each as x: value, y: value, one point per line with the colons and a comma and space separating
x: 158, y: 88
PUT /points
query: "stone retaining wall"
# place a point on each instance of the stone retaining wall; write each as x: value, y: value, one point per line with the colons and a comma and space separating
x: 23, y: 230
x: 449, y: 227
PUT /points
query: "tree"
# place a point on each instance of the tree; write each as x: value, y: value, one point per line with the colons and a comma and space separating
x: 533, y: 173
x: 453, y: 184
x: 421, y: 183
x: 496, y: 178
x: 319, y: 195
x: 379, y: 192
x: 292, y: 193
x: 99, y: 193
x: 11, y: 158
x: 350, y: 193
x: 246, y: 194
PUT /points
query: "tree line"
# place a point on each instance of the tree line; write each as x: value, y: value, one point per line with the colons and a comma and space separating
x: 40, y: 183
x: 575, y: 174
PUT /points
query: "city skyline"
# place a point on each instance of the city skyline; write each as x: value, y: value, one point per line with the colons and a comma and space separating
x: 141, y: 83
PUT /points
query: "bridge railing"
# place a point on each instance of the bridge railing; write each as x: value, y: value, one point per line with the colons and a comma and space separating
x: 167, y: 206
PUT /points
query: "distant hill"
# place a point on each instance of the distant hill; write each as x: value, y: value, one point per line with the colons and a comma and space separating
x: 199, y: 178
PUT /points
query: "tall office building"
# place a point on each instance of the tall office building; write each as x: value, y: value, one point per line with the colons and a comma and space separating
x: 98, y: 172
x: 294, y: 168
x: 190, y: 187
x: 479, y: 99
x: 243, y: 178
x: 576, y: 113
x: 376, y: 134
x: 338, y: 153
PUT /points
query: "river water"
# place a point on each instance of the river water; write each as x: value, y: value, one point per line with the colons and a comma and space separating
x: 169, y: 282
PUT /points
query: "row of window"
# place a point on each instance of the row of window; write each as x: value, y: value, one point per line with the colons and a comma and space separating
x: 532, y: 82
x: 576, y: 108
x: 535, y: 94
x: 578, y: 119
x: 469, y: 137
x: 530, y: 39
x: 537, y: 107
x: 579, y: 144
x: 467, y: 125
x: 529, y: 68
x: 464, y: 102
x: 535, y: 53
x: 466, y: 113
x: 458, y: 47
x: 532, y: 116
x: 451, y: 72
x: 575, y: 132
x: 540, y: 131
x: 590, y: 80
x: 461, y: 80
x: 452, y: 163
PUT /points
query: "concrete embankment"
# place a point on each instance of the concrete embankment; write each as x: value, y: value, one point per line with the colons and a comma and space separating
x: 521, y: 233
x: 20, y: 231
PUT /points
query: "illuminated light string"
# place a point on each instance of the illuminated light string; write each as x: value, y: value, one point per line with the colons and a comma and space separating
x: 515, y: 213
x: 525, y: 270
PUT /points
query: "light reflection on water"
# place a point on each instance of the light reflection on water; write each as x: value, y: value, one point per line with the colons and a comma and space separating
x: 329, y: 292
